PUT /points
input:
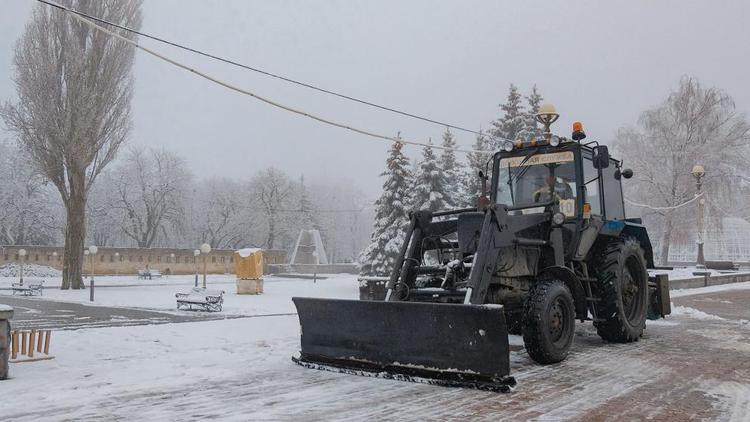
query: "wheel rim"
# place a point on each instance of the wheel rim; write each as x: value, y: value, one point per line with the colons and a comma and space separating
x: 632, y: 283
x: 559, y: 325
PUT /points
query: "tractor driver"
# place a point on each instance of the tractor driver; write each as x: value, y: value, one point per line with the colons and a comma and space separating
x: 562, y: 190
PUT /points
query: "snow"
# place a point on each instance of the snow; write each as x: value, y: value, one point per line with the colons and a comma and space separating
x: 694, y: 313
x: 710, y: 289
x: 160, y: 294
x: 5, y: 308
x: 247, y: 251
x: 29, y: 270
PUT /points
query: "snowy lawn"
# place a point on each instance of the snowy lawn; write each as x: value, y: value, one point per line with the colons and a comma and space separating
x: 159, y: 294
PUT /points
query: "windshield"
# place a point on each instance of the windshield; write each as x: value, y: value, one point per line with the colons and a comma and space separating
x: 538, y: 179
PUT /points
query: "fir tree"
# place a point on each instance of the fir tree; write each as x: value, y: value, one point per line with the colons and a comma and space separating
x: 429, y: 183
x: 451, y: 172
x: 472, y: 185
x: 391, y: 216
x: 531, y: 126
x: 511, y: 124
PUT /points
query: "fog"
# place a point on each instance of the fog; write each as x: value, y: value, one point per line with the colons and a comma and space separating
x: 601, y: 63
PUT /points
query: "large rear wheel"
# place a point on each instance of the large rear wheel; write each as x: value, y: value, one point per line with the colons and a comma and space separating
x: 622, y: 286
x: 549, y: 320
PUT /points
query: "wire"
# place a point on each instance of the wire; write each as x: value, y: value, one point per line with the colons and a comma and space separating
x: 264, y: 99
x: 664, y: 208
x: 267, y: 73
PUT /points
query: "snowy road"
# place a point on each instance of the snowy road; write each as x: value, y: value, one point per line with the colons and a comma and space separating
x: 694, y: 365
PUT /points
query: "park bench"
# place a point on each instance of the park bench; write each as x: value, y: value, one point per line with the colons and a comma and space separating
x: 34, y: 288
x: 201, y: 299
x: 149, y: 274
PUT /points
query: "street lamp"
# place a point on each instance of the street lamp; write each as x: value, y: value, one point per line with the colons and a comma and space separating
x: 22, y: 255
x: 117, y: 260
x: 546, y: 116
x: 698, y: 172
x: 205, y: 250
x: 195, y: 265
x: 92, y: 251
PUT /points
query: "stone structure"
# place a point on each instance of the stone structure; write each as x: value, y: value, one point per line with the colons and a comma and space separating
x: 6, y: 313
x: 127, y: 261
x: 309, y: 249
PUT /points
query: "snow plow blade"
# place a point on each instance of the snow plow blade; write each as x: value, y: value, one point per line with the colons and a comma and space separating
x: 435, y: 343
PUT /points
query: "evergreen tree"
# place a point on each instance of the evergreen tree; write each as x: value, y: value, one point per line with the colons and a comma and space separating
x: 511, y: 124
x: 531, y: 126
x: 429, y: 183
x: 451, y: 171
x: 472, y: 185
x: 391, y: 216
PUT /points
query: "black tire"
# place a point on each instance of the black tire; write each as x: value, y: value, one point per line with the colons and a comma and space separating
x: 622, y: 286
x: 549, y: 321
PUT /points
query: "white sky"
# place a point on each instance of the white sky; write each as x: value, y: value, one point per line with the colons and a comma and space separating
x: 598, y: 62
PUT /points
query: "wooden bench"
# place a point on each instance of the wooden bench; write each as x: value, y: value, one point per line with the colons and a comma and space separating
x: 29, y: 289
x: 201, y: 299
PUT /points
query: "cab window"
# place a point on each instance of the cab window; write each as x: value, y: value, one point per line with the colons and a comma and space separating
x: 613, y: 206
x: 592, y: 186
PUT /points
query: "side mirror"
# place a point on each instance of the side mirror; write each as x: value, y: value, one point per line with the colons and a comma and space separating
x: 600, y: 157
x: 481, y: 174
x: 626, y: 173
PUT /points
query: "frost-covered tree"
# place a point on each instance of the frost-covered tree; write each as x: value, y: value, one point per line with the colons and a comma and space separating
x: 151, y: 185
x: 391, y: 216
x: 429, y: 183
x: 273, y: 192
x: 74, y: 87
x: 220, y: 215
x: 451, y: 171
x: 27, y: 208
x: 513, y: 121
x: 694, y: 125
x: 307, y: 213
x: 476, y: 162
x: 531, y: 127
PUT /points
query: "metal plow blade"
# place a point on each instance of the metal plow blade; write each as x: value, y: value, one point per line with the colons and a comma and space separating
x: 445, y: 344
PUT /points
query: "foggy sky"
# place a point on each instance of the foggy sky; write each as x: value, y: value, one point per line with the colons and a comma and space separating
x: 598, y: 62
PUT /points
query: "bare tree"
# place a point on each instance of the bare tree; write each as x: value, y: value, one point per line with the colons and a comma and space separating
x: 74, y: 87
x: 224, y: 218
x: 150, y: 194
x: 272, y: 191
x: 694, y: 125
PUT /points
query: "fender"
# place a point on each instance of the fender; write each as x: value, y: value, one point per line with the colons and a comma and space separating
x: 567, y: 276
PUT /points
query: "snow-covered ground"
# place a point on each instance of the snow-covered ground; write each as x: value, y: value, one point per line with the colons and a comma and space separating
x: 159, y: 294
x: 240, y: 369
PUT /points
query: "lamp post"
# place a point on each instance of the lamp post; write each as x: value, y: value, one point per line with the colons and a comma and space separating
x: 205, y: 250
x: 21, y: 256
x: 92, y: 251
x: 195, y: 265
x: 546, y: 116
x: 698, y: 172
x: 117, y: 260
x: 54, y: 258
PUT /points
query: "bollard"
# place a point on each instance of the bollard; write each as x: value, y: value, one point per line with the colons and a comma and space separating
x: 91, y: 292
x: 6, y: 346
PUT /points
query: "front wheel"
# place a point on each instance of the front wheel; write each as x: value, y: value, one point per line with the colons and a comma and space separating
x: 548, y: 321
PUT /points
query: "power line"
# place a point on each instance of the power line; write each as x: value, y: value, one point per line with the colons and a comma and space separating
x: 267, y: 73
x: 259, y: 97
x: 664, y: 208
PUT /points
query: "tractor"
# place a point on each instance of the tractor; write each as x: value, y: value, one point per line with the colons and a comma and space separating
x: 549, y: 245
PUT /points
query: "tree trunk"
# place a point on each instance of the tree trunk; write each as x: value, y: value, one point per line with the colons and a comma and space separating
x: 666, y: 239
x: 75, y: 233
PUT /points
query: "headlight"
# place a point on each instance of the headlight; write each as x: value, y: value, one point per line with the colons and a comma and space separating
x: 554, y: 141
x: 558, y: 218
x: 508, y: 146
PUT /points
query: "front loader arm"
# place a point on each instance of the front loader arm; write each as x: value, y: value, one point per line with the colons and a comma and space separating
x: 498, y: 232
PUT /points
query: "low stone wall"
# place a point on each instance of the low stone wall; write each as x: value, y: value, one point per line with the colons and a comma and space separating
x: 313, y: 269
x: 691, y: 283
x: 128, y: 261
